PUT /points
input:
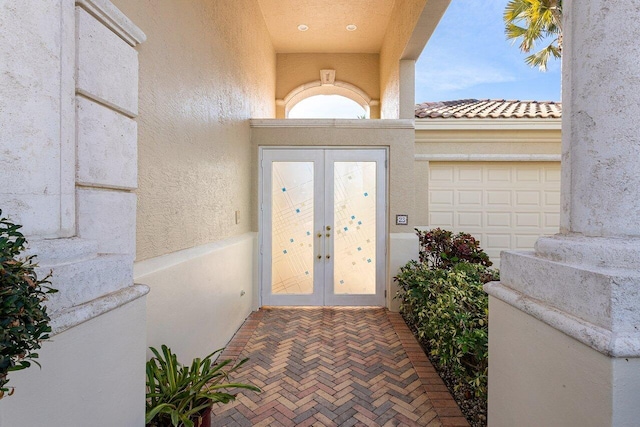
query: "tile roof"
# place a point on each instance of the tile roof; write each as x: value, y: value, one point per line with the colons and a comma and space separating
x: 489, y: 109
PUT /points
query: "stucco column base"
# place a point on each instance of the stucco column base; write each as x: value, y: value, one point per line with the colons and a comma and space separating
x: 594, y: 304
x: 564, y: 340
x: 539, y: 376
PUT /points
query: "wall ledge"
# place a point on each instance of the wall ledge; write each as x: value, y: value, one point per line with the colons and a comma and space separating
x: 152, y: 265
x: 73, y: 316
x: 488, y: 124
x: 488, y: 157
x: 618, y: 344
x: 111, y: 17
x: 333, y: 123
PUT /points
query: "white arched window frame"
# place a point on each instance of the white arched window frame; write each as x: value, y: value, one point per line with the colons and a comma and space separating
x: 314, y: 88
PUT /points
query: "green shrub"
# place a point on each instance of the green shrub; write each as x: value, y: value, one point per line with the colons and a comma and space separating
x: 442, y: 298
x: 442, y: 249
x: 24, y: 322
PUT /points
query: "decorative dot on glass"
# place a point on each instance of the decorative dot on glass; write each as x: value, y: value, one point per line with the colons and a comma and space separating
x: 359, y: 222
x: 342, y: 282
x: 291, y: 240
x: 297, y: 210
x: 346, y: 229
x: 306, y: 272
x: 284, y: 189
x: 366, y: 194
x: 359, y: 248
x: 308, y: 233
x: 353, y: 217
x: 369, y: 260
x: 284, y: 252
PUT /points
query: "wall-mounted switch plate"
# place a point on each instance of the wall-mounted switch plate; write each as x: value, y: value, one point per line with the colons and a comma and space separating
x: 237, y: 217
x: 402, y: 219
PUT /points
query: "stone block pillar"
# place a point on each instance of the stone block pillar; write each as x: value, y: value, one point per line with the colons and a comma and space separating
x: 68, y: 144
x: 564, y: 321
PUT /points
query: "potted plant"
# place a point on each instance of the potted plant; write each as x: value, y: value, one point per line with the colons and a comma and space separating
x: 24, y: 322
x: 178, y: 395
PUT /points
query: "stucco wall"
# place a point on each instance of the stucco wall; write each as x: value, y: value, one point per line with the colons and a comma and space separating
x: 546, y: 378
x: 200, y: 296
x: 92, y: 374
x: 406, y: 14
x: 206, y: 68
x: 359, y: 69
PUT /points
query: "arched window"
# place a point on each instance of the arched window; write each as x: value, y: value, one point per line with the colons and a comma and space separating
x: 336, y: 93
x: 327, y: 107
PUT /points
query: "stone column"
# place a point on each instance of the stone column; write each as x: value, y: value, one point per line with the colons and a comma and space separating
x: 564, y: 321
x: 68, y: 161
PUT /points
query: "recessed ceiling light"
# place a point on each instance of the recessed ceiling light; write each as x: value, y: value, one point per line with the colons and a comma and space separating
x: 303, y: 27
x: 351, y: 27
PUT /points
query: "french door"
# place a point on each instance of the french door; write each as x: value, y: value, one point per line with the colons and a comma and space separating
x: 323, y: 226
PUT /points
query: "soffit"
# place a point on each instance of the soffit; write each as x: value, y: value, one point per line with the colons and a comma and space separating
x: 327, y: 21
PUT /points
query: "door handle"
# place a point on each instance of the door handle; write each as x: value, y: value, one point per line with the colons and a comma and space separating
x: 319, y: 256
x: 328, y: 244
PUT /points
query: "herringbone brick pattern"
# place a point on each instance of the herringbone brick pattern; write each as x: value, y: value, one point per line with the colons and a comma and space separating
x: 330, y: 367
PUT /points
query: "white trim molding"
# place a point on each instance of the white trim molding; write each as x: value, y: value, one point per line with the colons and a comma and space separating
x: 73, y: 316
x: 332, y: 123
x: 336, y: 87
x: 111, y: 17
x: 488, y: 157
x: 488, y: 124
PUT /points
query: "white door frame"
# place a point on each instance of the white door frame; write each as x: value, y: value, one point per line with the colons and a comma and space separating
x: 323, y: 294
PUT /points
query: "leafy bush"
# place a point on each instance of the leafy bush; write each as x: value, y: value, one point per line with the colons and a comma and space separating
x: 24, y: 322
x: 180, y: 395
x: 442, y: 249
x: 442, y: 299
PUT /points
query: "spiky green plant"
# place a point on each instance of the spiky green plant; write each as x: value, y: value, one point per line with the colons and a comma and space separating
x: 533, y: 22
x: 178, y: 395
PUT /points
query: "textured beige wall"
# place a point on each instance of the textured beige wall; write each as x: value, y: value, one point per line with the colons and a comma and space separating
x: 493, y: 141
x: 406, y: 14
x: 359, y: 69
x: 206, y: 68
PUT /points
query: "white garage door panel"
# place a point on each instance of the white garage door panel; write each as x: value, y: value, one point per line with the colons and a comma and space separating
x: 505, y: 205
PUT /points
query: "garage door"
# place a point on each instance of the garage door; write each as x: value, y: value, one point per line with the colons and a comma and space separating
x: 505, y: 205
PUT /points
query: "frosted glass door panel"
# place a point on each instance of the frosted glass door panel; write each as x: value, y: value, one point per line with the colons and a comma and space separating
x: 355, y: 228
x: 292, y: 228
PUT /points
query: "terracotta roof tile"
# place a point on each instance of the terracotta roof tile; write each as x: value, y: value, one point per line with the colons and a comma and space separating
x: 489, y: 108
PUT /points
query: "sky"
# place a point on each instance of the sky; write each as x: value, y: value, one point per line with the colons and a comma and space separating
x: 467, y: 56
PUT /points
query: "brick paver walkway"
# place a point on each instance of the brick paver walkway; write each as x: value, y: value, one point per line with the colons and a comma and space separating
x: 334, y: 367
